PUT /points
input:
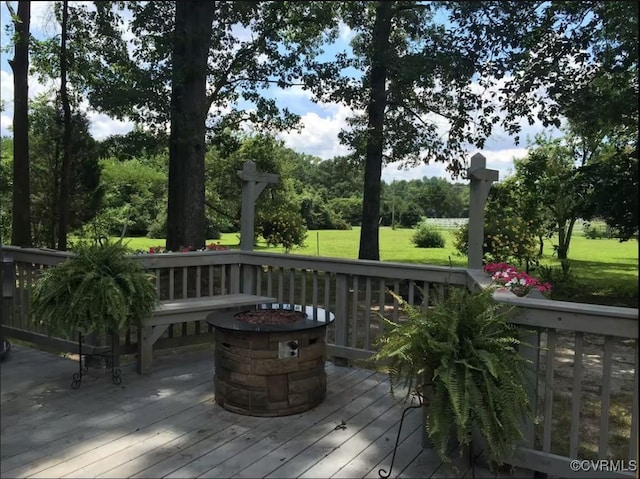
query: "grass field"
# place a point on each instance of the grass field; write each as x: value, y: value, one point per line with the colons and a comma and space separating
x: 606, y: 270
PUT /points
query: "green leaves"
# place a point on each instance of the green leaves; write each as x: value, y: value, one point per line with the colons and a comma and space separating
x: 466, y: 349
x: 98, y: 290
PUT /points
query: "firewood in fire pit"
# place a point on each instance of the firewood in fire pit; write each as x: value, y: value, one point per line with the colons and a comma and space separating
x: 270, y: 316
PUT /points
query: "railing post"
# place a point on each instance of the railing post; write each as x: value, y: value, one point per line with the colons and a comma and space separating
x: 342, y: 315
x: 8, y: 279
x: 531, y: 353
x: 481, y: 179
x: 234, y: 279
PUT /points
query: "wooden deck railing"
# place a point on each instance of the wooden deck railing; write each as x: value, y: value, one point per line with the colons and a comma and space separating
x: 356, y: 291
x: 587, y: 390
x: 586, y: 394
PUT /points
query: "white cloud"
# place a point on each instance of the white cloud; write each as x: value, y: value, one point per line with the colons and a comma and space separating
x: 502, y: 160
x: 102, y: 126
x: 391, y: 172
x: 6, y: 95
x: 345, y: 32
x: 6, y: 122
x: 6, y: 87
x: 318, y: 135
x: 43, y: 20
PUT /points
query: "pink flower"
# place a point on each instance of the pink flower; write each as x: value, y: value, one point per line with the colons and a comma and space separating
x: 519, y: 282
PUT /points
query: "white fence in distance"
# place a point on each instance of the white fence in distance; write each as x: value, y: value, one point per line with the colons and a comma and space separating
x: 447, y: 223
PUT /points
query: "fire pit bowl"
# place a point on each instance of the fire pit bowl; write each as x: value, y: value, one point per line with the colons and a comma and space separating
x: 269, y: 360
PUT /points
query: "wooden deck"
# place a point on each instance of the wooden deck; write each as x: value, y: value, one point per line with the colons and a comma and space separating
x: 168, y: 425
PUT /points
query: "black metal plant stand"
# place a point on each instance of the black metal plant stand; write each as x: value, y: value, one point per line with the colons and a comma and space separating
x: 106, y: 357
x: 418, y: 394
x: 382, y: 472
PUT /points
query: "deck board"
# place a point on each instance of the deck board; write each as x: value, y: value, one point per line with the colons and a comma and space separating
x: 168, y: 425
x: 409, y: 449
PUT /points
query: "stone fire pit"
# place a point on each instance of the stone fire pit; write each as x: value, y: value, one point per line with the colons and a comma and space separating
x: 269, y: 361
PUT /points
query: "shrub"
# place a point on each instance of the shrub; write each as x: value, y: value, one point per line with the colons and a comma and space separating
x: 158, y: 228
x: 506, y: 239
x: 592, y: 232
x: 426, y: 236
x: 282, y: 227
x: 349, y: 209
x: 340, y: 224
x: 563, y: 278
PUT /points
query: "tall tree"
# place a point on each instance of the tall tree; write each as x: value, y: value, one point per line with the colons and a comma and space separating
x: 46, y: 132
x: 191, y: 40
x: 455, y: 70
x: 251, y: 46
x: 65, y: 171
x: 377, y: 104
x: 416, y: 93
x: 21, y: 201
x: 551, y: 174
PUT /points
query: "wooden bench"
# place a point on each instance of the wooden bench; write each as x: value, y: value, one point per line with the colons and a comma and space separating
x: 182, y: 311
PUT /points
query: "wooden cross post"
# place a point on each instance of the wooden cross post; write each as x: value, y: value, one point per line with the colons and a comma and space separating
x: 481, y: 180
x: 254, y: 184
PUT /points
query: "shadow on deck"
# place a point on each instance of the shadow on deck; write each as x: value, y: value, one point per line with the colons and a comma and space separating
x: 168, y: 425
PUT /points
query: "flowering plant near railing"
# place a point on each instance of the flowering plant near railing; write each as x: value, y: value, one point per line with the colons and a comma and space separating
x: 518, y: 282
x: 161, y: 249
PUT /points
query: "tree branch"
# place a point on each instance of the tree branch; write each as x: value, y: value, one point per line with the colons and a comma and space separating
x: 286, y: 84
x: 219, y: 211
x: 12, y: 11
x: 409, y: 7
x: 240, y: 56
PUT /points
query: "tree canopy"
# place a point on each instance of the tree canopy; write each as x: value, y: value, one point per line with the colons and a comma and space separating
x: 426, y: 81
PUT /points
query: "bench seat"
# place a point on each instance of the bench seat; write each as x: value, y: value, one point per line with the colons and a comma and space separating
x: 183, y: 311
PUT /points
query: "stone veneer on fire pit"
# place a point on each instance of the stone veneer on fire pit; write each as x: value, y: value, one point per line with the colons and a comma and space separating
x: 270, y: 369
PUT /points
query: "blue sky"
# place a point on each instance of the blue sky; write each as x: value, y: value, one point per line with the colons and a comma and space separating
x: 321, y: 123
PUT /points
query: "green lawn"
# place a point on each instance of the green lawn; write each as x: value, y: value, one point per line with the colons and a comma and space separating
x: 606, y: 270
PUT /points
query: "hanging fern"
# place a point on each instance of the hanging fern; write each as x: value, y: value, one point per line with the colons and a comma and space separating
x: 465, y: 348
x: 98, y: 290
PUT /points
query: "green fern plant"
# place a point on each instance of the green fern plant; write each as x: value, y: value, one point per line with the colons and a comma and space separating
x: 465, y: 350
x: 98, y: 290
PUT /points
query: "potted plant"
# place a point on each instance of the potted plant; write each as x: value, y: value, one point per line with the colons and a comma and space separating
x: 98, y: 290
x: 461, y: 356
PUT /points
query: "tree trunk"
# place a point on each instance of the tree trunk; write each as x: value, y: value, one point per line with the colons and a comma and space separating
x: 369, y: 233
x: 185, y: 208
x: 562, y: 253
x: 65, y: 170
x: 564, y: 245
x: 21, y: 198
x: 541, y: 242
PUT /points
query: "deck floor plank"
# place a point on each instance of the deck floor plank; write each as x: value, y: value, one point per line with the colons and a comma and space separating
x: 329, y: 435
x: 104, y: 435
x: 338, y: 396
x: 408, y: 450
x: 135, y: 445
x: 54, y: 393
x: 357, y: 443
x: 217, y: 448
x: 155, y: 421
x: 360, y: 465
x: 168, y: 425
x: 297, y: 449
